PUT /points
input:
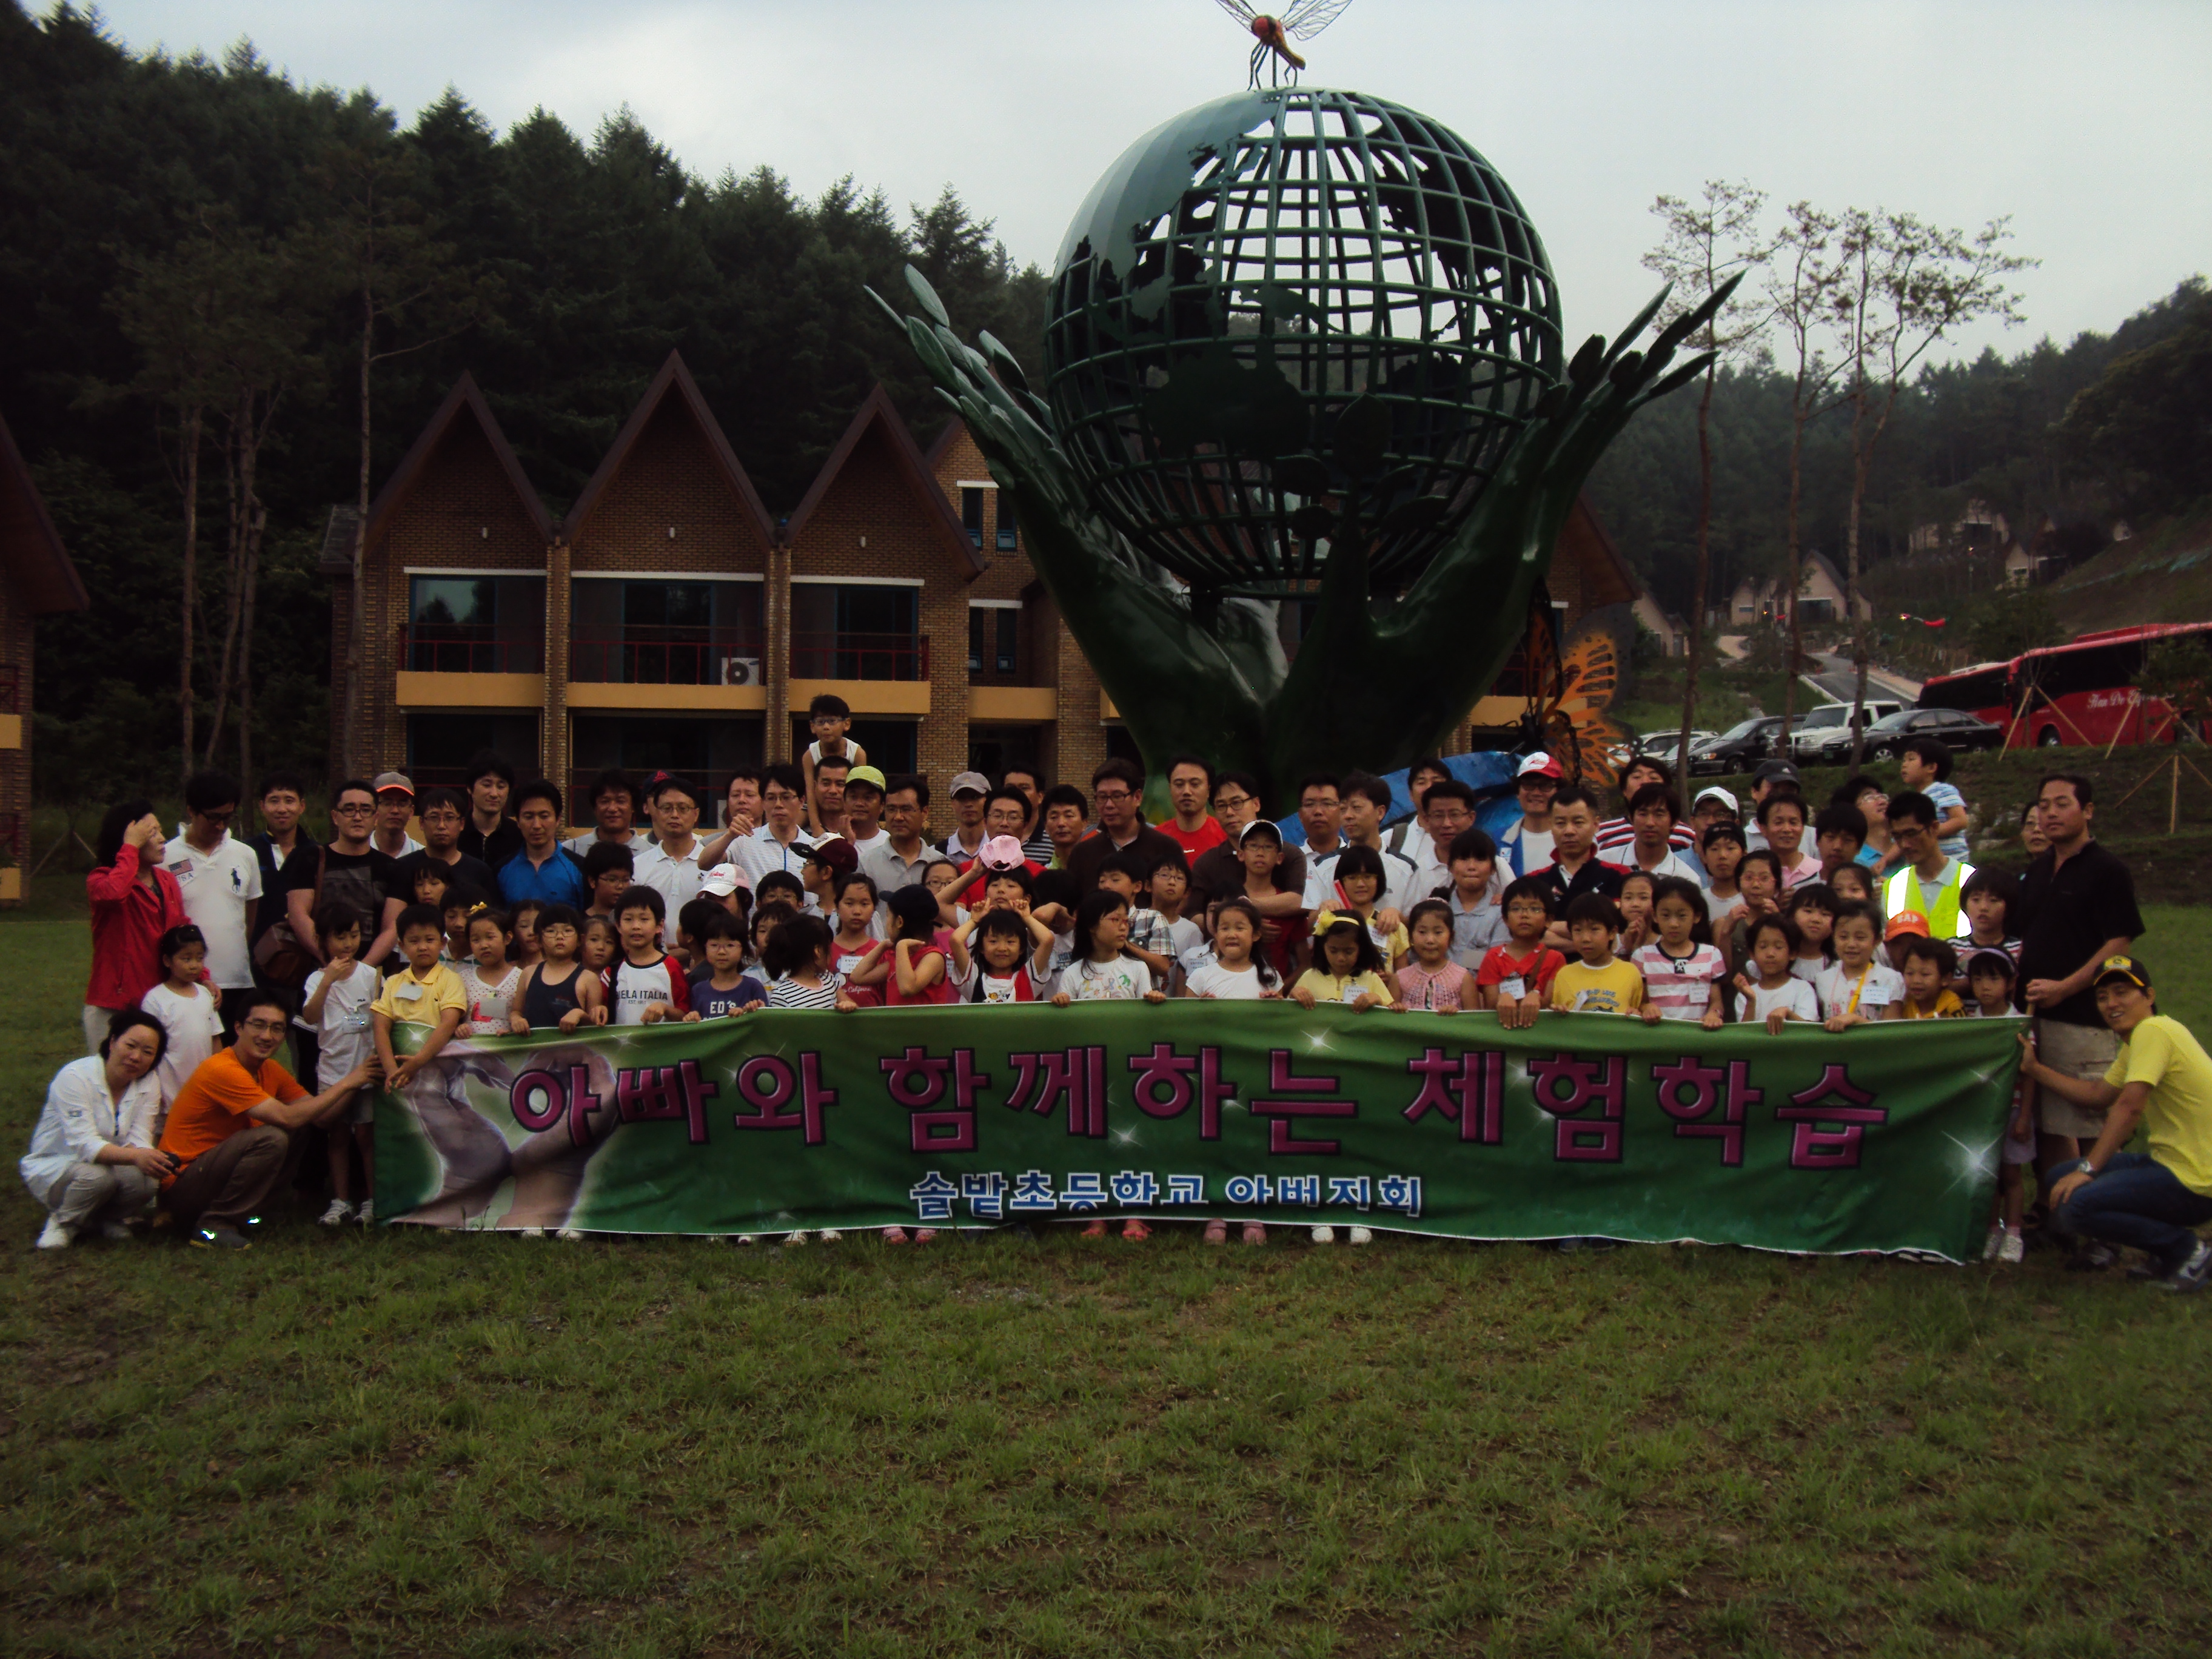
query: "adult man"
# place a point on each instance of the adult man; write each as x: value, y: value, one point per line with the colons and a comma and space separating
x: 2159, y: 1075
x: 284, y: 797
x: 395, y: 808
x: 1065, y: 815
x: 1365, y: 801
x: 230, y: 1127
x: 1447, y: 808
x: 899, y: 858
x: 1192, y: 827
x: 1411, y: 838
x: 443, y: 813
x: 1614, y: 835
x: 350, y: 870
x: 1773, y: 775
x: 671, y: 865
x: 544, y: 870
x: 830, y: 779
x: 1928, y: 879
x: 863, y: 808
x: 1526, y: 845
x: 1036, y: 846
x: 1576, y: 868
x: 1713, y: 805
x: 1219, y: 871
x: 777, y: 844
x: 219, y: 878
x: 2077, y: 908
x: 614, y: 813
x: 741, y: 814
x: 1117, y: 788
x: 1006, y: 812
x: 489, y: 834
x: 1321, y: 812
x: 1839, y: 834
x: 1653, y: 816
x: 970, y: 790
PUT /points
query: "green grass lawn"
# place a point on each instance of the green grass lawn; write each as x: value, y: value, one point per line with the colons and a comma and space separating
x: 417, y: 1444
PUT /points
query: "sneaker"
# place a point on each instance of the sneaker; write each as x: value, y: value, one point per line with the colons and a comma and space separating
x: 218, y: 1238
x: 1096, y: 1230
x: 747, y: 1239
x: 1324, y: 1235
x: 1254, y: 1233
x: 2191, y: 1275
x: 2091, y: 1257
x: 366, y: 1214
x: 924, y: 1234
x: 1360, y: 1236
x: 1217, y: 1232
x: 570, y: 1235
x: 718, y: 1238
x: 792, y: 1239
x: 1993, y: 1244
x: 533, y: 1233
x: 57, y: 1235
x: 1133, y: 1229
x: 116, y: 1231
x: 339, y: 1214
x: 830, y: 1236
x: 2013, y: 1250
x: 894, y: 1235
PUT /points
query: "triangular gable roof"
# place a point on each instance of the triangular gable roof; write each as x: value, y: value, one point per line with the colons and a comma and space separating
x: 1826, y: 566
x: 401, y: 484
x: 673, y: 377
x: 38, y: 562
x: 946, y: 434
x: 877, y: 408
x: 1622, y: 570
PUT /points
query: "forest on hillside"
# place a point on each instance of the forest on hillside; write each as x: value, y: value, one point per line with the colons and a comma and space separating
x: 198, y: 258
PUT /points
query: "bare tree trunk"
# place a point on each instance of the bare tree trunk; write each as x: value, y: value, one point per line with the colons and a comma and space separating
x: 238, y: 483
x: 1697, y: 587
x: 189, y: 437
x: 257, y: 529
x: 1796, y: 572
x: 1862, y: 460
x: 358, y: 619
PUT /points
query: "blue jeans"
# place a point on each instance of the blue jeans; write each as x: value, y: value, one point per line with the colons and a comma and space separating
x: 2136, y: 1200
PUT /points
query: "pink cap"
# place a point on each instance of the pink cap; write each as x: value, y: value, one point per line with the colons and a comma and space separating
x: 1001, y: 852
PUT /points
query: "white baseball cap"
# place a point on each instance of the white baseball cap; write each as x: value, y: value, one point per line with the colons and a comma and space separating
x: 1716, y: 792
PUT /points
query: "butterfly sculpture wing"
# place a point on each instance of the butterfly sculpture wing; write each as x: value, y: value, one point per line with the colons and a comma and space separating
x: 1582, y: 735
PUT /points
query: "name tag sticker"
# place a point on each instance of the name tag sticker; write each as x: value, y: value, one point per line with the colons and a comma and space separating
x: 1513, y: 989
x: 407, y: 992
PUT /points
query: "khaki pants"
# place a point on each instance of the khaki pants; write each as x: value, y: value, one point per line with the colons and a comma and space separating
x: 95, y: 1026
x: 2083, y: 1051
x: 93, y: 1194
x: 227, y: 1185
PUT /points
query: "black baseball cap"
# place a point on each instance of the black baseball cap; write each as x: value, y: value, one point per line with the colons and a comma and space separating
x: 2130, y: 969
x: 1776, y: 771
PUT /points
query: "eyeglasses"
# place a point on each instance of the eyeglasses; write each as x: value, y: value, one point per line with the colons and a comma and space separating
x: 261, y: 1025
x: 1230, y: 803
x: 1115, y: 794
x: 355, y: 809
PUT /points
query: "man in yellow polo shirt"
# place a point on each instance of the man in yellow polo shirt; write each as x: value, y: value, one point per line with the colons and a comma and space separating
x: 2152, y: 1200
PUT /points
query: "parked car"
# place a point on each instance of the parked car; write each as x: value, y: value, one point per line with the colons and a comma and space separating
x: 1960, y: 731
x: 1824, y: 737
x: 1660, y: 745
x: 1739, y: 749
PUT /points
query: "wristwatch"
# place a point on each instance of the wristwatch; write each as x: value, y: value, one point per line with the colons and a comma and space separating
x: 2082, y: 1167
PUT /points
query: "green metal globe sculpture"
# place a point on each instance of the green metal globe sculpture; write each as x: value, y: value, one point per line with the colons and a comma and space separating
x: 1241, y: 275
x: 1302, y: 342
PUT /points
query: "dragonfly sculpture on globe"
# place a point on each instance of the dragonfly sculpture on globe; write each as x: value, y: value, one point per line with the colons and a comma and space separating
x: 1307, y: 434
x: 1274, y: 33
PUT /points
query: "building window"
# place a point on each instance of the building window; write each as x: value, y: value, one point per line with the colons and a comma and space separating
x: 992, y: 749
x: 665, y: 633
x: 971, y: 515
x: 483, y: 624
x: 703, y: 749
x: 994, y: 633
x: 1008, y: 536
x: 439, y: 745
x: 844, y: 631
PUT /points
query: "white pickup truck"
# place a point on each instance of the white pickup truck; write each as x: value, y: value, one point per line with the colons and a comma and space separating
x: 1825, y: 733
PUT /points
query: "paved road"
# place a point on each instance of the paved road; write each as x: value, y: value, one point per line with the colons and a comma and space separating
x: 1836, y: 677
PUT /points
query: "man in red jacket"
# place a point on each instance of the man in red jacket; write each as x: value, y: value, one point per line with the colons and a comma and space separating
x: 134, y: 901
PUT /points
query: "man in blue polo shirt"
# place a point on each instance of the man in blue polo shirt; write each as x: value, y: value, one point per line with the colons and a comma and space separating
x: 543, y: 870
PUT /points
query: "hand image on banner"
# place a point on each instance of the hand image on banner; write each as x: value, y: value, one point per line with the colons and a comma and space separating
x: 1884, y: 1138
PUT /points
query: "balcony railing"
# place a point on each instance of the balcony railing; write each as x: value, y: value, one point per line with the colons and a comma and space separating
x: 859, y: 656
x: 462, y: 649
x: 666, y: 656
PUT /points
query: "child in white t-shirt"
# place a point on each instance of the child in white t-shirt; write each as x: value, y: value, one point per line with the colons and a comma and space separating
x: 1769, y: 991
x: 487, y: 977
x: 1238, y: 970
x: 1100, y: 972
x: 337, y: 1009
x: 186, y: 1008
x: 1857, y: 989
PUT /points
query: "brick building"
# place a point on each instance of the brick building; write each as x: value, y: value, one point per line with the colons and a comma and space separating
x: 36, y: 578
x: 668, y: 621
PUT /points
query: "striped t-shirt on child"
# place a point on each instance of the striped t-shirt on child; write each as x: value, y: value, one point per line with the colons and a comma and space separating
x: 1680, y: 987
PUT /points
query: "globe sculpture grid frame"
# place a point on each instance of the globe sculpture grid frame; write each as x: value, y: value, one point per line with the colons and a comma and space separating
x: 1313, y: 488
x: 1246, y: 272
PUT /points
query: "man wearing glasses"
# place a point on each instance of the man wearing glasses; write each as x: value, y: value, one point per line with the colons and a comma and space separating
x: 219, y: 878
x: 230, y: 1128
x: 779, y: 843
x: 349, y: 869
x: 1116, y: 790
x: 1217, y: 872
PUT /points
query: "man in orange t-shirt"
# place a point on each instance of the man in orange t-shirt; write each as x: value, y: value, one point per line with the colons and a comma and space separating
x: 230, y: 1128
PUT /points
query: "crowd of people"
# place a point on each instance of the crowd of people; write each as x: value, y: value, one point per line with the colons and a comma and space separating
x: 822, y: 887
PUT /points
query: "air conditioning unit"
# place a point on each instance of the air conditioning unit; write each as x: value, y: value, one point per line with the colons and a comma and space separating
x: 741, y: 671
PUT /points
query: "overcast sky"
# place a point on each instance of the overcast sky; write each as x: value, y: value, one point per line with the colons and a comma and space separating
x: 2089, y: 125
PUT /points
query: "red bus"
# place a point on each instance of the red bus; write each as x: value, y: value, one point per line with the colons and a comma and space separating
x: 2083, y: 692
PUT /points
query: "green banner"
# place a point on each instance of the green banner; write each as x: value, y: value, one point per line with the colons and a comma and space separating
x: 1885, y: 1138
